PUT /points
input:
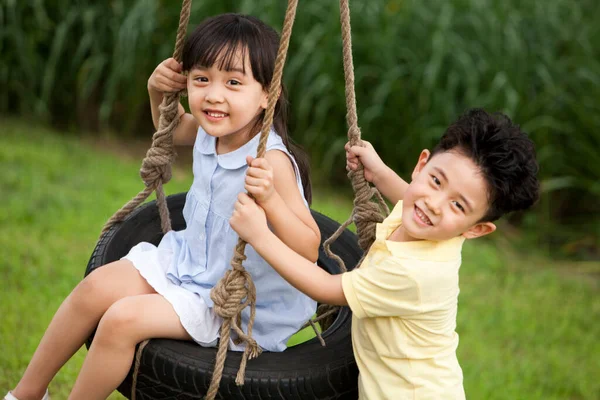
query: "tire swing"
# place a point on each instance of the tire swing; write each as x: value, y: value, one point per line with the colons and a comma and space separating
x: 171, y: 369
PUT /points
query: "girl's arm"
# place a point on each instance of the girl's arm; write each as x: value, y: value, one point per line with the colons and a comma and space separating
x: 272, y: 181
x: 248, y: 220
x: 167, y: 78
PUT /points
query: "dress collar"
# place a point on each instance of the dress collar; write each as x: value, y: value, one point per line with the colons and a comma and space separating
x: 236, y: 159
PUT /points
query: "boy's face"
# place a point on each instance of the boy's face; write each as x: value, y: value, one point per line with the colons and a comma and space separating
x: 446, y: 198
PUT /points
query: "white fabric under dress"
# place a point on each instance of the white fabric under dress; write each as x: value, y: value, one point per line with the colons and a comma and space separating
x: 197, y: 318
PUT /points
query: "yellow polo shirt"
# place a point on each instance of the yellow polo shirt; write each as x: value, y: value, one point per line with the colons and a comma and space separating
x: 404, y: 302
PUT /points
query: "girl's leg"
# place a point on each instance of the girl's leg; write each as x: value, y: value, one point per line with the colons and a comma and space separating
x: 127, y: 322
x: 75, y: 320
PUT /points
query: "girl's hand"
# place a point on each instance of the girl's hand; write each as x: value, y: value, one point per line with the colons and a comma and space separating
x: 167, y: 77
x: 368, y: 157
x: 259, y: 179
x: 248, y: 219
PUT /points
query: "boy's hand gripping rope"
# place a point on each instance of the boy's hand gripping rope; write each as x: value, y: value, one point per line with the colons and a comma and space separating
x: 366, y: 213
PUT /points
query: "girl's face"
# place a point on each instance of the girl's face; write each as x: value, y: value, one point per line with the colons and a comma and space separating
x: 226, y: 104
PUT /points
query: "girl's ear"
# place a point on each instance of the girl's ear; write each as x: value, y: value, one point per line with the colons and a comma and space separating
x: 423, y: 158
x: 264, y: 100
x: 480, y: 229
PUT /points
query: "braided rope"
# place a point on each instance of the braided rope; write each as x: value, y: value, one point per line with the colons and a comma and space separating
x: 156, y: 166
x: 366, y: 213
x: 237, y: 283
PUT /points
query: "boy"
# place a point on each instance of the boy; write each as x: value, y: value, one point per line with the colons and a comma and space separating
x: 404, y: 295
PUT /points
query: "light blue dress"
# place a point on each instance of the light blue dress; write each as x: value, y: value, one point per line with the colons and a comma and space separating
x: 187, y: 264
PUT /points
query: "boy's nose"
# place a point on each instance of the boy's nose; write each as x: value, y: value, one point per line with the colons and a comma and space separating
x: 434, y: 204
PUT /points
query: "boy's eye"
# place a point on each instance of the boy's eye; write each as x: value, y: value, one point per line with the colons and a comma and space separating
x: 459, y: 206
x: 436, y: 180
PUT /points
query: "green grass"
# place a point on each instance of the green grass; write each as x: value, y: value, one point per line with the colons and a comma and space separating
x: 528, y: 325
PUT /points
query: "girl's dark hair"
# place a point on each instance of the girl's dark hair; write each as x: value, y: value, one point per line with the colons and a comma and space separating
x: 504, y: 154
x: 218, y: 39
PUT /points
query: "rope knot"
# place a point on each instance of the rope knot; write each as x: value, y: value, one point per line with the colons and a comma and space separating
x: 156, y: 166
x: 367, y: 214
x: 228, y: 294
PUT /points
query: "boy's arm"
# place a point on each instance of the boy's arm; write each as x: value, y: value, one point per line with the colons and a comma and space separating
x: 249, y: 221
x: 391, y: 186
x: 304, y: 275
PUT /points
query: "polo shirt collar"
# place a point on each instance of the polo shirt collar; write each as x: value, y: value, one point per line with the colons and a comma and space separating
x: 426, y: 250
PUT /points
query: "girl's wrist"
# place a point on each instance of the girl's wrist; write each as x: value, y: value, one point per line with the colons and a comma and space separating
x: 261, y: 239
x: 270, y: 203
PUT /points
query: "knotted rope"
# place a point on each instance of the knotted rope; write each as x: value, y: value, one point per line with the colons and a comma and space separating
x: 156, y: 166
x: 367, y: 213
x: 237, y: 283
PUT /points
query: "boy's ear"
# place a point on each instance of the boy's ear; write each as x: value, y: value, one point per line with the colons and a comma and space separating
x: 480, y: 229
x: 423, y: 158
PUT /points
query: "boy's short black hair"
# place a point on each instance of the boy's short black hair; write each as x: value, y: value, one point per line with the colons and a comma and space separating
x: 503, y: 152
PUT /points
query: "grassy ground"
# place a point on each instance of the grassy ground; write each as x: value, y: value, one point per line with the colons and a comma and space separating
x: 528, y: 325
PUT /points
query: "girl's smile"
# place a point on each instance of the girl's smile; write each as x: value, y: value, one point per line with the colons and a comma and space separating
x: 215, y: 115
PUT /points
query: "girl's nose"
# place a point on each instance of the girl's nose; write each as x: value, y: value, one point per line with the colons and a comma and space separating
x: 214, y: 95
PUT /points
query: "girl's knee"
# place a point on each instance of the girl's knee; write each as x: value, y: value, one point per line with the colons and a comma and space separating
x: 118, y: 324
x: 91, y: 294
x: 104, y: 286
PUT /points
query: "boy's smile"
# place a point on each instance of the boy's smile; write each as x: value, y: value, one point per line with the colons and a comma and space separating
x: 421, y: 217
x: 447, y: 197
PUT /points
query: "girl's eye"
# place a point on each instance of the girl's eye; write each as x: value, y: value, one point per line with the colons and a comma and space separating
x: 233, y: 82
x: 201, y: 79
x: 436, y: 180
x: 459, y: 206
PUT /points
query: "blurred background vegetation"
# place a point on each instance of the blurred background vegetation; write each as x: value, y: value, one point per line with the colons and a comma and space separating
x: 83, y: 66
x: 73, y: 75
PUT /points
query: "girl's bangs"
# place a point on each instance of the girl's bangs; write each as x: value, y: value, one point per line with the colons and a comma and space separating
x: 221, y: 46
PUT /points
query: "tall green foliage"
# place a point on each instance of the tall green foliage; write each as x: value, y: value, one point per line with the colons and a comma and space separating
x: 418, y: 63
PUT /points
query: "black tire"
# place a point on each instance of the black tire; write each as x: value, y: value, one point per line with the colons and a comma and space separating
x: 181, y: 370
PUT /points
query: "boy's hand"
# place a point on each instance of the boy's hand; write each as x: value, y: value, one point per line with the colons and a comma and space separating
x: 167, y: 77
x: 368, y: 157
x: 248, y: 219
x: 259, y: 179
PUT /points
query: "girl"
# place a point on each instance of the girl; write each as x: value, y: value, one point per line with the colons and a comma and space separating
x: 164, y: 291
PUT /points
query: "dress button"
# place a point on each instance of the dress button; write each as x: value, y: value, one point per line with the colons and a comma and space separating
x: 202, y: 236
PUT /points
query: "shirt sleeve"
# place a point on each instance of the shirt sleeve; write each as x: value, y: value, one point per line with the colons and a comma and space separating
x: 386, y: 289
